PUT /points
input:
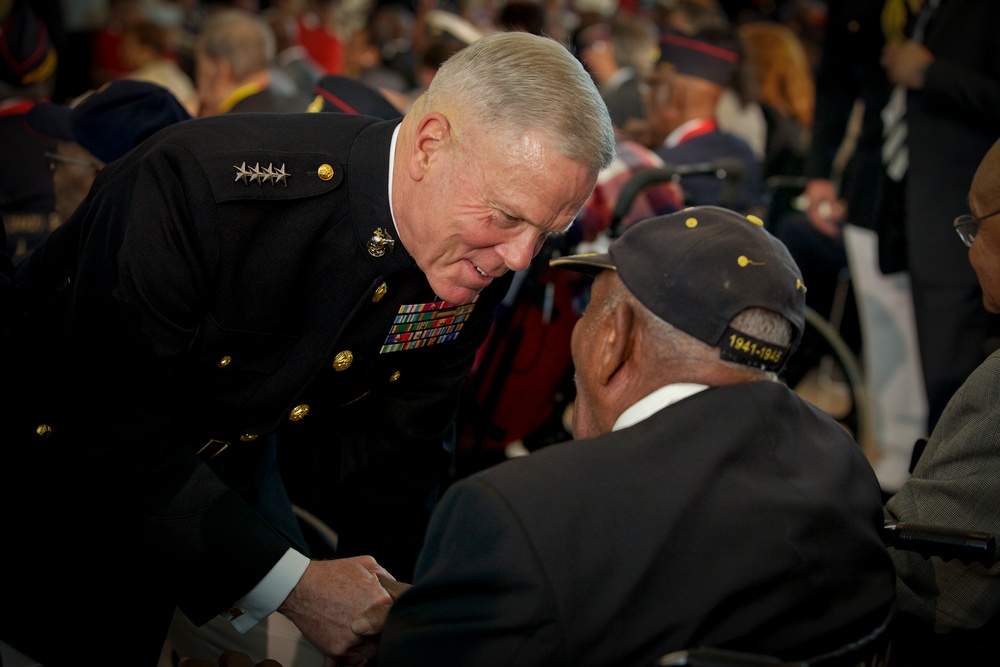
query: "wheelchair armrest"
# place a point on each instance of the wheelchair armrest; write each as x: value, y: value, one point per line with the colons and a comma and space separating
x: 946, y: 543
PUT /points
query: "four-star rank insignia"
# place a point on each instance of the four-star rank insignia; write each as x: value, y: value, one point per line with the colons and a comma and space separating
x: 270, y: 173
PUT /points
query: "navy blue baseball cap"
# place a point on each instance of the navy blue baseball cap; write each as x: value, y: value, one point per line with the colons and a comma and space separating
x: 27, y: 55
x: 710, y: 55
x: 341, y: 94
x: 112, y: 120
x: 700, y: 267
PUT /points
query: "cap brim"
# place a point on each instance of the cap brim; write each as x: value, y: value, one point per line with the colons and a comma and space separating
x: 590, y: 263
x: 51, y: 120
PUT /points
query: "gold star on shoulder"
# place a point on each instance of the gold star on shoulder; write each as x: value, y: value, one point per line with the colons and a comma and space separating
x: 242, y: 172
x: 280, y: 176
x: 257, y: 174
x: 267, y: 174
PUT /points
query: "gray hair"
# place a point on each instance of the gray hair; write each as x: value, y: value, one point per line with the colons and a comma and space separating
x: 635, y: 41
x: 510, y: 82
x: 242, y: 39
x: 760, y: 323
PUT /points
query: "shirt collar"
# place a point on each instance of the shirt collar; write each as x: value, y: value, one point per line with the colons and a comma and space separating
x: 392, y: 161
x: 656, y: 401
x: 691, y: 128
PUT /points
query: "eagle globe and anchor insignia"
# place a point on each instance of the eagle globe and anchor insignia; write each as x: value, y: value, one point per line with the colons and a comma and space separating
x: 380, y: 242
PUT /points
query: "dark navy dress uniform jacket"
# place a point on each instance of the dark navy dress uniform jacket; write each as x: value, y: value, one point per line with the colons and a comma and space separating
x: 215, y: 288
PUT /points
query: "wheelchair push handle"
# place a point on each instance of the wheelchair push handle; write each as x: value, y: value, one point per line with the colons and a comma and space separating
x: 946, y: 543
x: 730, y: 170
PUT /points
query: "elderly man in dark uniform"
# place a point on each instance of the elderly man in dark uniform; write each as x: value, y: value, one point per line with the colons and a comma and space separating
x: 319, y: 280
x: 702, y: 503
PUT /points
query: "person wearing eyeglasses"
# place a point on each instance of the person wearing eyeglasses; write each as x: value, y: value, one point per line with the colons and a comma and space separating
x: 951, y: 606
x: 74, y: 169
x: 96, y: 128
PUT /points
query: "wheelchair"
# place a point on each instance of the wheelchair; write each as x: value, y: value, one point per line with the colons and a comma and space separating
x: 876, y: 648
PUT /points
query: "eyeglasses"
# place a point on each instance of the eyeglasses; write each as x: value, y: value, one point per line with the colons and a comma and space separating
x: 967, y: 226
x: 53, y: 158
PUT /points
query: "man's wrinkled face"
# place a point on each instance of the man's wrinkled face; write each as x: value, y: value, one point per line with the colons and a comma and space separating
x: 486, y: 206
x: 661, y: 96
x: 984, y: 255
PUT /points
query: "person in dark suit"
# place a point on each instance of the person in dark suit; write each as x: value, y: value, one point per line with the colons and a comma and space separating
x: 681, y: 102
x: 951, y: 610
x: 951, y: 78
x: 702, y: 502
x: 234, y: 67
x: 322, y: 281
x: 619, y: 53
x: 849, y: 204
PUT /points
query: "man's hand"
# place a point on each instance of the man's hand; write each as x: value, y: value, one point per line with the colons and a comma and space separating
x: 228, y: 659
x: 906, y: 63
x: 340, y: 606
x: 826, y: 211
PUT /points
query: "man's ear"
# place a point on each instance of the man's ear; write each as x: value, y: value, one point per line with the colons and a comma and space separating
x: 617, y: 343
x: 432, y: 135
x: 224, y: 71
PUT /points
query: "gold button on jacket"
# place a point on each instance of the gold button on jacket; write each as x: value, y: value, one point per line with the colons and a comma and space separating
x: 343, y: 360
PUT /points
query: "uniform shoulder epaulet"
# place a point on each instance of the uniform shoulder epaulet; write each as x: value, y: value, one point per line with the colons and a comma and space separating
x: 265, y: 175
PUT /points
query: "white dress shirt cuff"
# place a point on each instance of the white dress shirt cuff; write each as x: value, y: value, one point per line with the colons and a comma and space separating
x: 268, y: 595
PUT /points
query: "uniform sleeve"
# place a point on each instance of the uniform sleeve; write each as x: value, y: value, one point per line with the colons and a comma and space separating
x: 956, y: 484
x: 479, y: 596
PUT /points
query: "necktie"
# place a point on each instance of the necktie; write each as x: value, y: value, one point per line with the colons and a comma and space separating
x: 895, y: 155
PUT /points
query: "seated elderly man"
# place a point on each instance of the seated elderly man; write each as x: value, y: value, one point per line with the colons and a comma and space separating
x: 950, y: 611
x: 681, y: 98
x: 703, y: 502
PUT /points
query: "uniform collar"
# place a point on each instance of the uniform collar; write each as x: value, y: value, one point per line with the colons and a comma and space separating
x: 691, y: 128
x: 369, y: 169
